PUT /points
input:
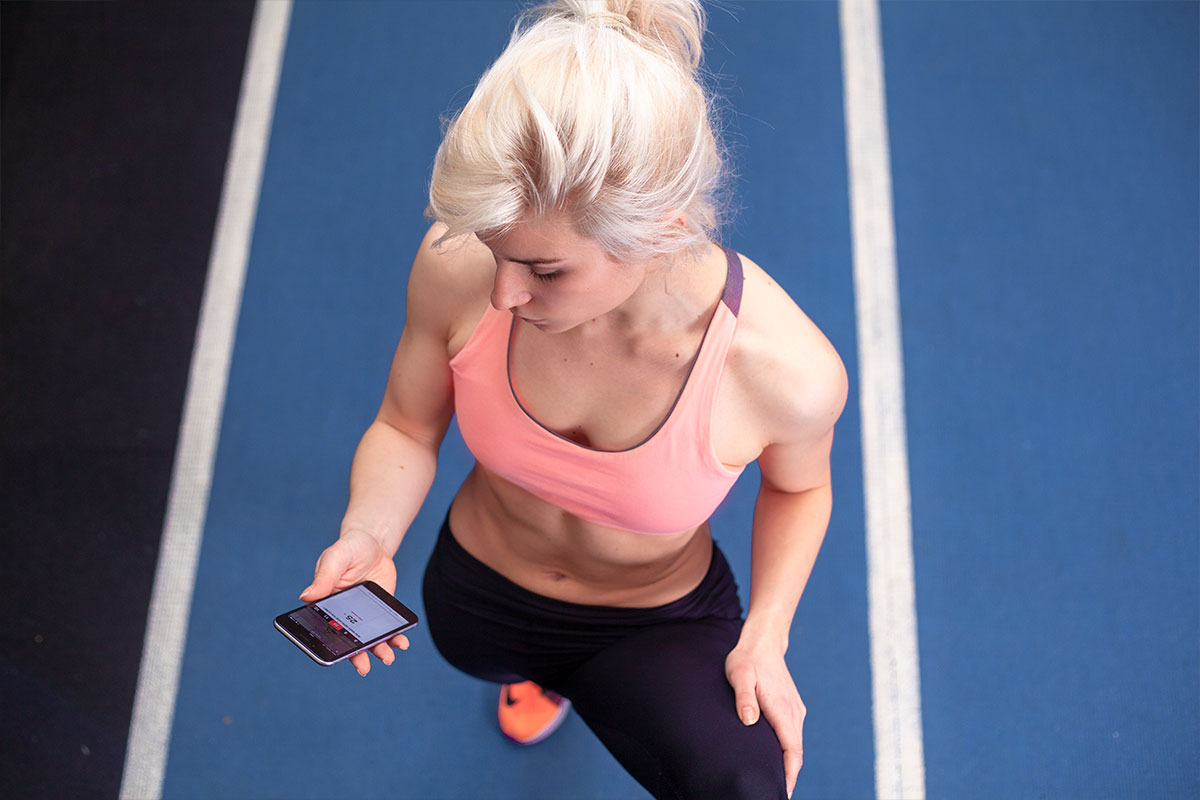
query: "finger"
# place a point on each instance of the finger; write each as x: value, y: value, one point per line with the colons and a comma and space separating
x: 793, y: 759
x: 790, y: 731
x: 384, y: 653
x: 330, y: 567
x: 399, y: 641
x: 361, y: 662
x: 791, y: 741
x: 745, y: 697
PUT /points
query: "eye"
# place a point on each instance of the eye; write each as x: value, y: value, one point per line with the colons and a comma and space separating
x: 545, y: 277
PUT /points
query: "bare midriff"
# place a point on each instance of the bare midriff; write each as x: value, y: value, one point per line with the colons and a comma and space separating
x: 546, y: 550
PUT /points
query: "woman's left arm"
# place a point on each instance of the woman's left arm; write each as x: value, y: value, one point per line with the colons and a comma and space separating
x: 790, y: 518
x: 788, y: 530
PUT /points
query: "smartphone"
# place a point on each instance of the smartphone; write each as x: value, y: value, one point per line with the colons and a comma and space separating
x: 345, y: 623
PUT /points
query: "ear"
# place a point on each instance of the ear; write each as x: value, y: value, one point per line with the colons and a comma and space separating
x: 676, y: 217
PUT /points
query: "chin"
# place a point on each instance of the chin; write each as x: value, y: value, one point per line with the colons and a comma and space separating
x: 549, y: 325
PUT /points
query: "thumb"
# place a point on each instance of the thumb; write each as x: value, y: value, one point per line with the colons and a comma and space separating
x: 329, y: 568
x: 744, y: 683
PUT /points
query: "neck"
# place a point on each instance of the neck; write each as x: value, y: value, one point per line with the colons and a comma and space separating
x: 672, y: 297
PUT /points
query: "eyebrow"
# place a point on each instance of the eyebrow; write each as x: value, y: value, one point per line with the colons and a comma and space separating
x: 535, y: 262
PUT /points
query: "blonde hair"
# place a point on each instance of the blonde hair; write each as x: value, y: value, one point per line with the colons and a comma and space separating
x: 595, y: 109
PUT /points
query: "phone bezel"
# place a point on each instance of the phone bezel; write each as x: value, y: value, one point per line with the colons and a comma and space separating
x: 315, y: 650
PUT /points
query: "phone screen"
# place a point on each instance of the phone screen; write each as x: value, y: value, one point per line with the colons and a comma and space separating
x: 345, y: 623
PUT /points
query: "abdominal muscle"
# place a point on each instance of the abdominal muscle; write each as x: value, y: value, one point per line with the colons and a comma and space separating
x: 551, y: 552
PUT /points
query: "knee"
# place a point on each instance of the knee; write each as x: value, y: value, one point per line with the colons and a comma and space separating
x: 749, y: 779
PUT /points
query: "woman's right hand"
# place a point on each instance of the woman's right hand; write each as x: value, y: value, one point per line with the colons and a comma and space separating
x: 396, y: 459
x: 356, y: 557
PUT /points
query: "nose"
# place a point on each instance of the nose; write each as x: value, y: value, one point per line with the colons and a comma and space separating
x: 508, y: 288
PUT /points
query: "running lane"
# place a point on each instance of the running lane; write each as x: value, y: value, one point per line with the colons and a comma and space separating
x: 362, y: 87
x: 1045, y: 170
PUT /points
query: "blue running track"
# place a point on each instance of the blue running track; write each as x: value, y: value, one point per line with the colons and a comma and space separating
x: 1045, y: 173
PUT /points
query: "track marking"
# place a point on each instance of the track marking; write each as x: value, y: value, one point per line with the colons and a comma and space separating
x: 187, y: 504
x: 895, y: 672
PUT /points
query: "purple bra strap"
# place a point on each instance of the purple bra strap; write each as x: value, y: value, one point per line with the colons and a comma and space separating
x: 733, y: 282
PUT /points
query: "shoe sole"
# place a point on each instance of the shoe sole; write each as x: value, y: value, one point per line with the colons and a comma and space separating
x: 550, y: 728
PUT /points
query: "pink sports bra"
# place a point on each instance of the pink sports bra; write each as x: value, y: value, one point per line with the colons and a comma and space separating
x: 671, y: 482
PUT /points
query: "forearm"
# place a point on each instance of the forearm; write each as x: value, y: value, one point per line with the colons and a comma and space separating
x: 389, y: 479
x: 788, y: 530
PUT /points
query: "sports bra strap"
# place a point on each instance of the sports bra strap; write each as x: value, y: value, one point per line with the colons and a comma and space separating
x: 733, y: 281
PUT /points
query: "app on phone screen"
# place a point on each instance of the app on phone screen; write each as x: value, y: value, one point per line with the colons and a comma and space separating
x: 347, y: 621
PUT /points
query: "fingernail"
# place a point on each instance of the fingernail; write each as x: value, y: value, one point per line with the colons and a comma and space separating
x: 748, y: 715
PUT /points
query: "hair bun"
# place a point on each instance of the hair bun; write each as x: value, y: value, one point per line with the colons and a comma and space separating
x: 594, y: 109
x: 673, y: 28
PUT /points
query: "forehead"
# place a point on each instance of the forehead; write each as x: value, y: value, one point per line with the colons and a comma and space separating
x: 549, y: 237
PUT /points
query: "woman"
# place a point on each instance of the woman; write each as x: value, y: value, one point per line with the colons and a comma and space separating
x: 613, y: 371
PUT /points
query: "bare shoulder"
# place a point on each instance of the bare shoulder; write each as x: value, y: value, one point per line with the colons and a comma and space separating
x: 787, y: 372
x: 449, y: 284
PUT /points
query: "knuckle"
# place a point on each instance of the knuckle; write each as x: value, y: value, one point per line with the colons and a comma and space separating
x: 742, y: 677
x: 739, y: 667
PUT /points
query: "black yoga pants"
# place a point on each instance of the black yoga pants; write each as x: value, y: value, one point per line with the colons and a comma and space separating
x: 649, y: 682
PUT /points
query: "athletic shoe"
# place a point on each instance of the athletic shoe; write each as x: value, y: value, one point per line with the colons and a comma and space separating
x: 528, y: 713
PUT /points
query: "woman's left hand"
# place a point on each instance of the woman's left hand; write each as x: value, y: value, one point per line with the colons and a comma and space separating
x: 762, y: 685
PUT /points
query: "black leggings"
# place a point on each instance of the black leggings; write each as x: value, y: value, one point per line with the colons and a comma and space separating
x: 649, y: 682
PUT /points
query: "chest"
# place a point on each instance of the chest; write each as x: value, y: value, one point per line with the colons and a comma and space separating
x: 601, y: 394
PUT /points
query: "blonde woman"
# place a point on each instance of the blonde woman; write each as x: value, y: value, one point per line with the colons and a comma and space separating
x: 613, y: 371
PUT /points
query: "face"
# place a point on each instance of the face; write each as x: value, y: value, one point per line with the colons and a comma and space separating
x: 555, y: 279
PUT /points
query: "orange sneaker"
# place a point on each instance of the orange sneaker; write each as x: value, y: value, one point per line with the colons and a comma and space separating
x: 528, y: 713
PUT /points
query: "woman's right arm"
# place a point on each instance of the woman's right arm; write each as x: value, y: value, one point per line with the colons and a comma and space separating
x: 396, y: 460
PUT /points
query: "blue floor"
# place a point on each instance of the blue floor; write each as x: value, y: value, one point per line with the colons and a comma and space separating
x: 1046, y: 191
x: 1045, y: 167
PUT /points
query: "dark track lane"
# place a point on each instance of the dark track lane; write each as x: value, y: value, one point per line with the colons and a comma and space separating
x: 116, y: 120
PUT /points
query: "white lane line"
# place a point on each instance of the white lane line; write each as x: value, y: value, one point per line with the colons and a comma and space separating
x: 895, y: 672
x: 187, y: 504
